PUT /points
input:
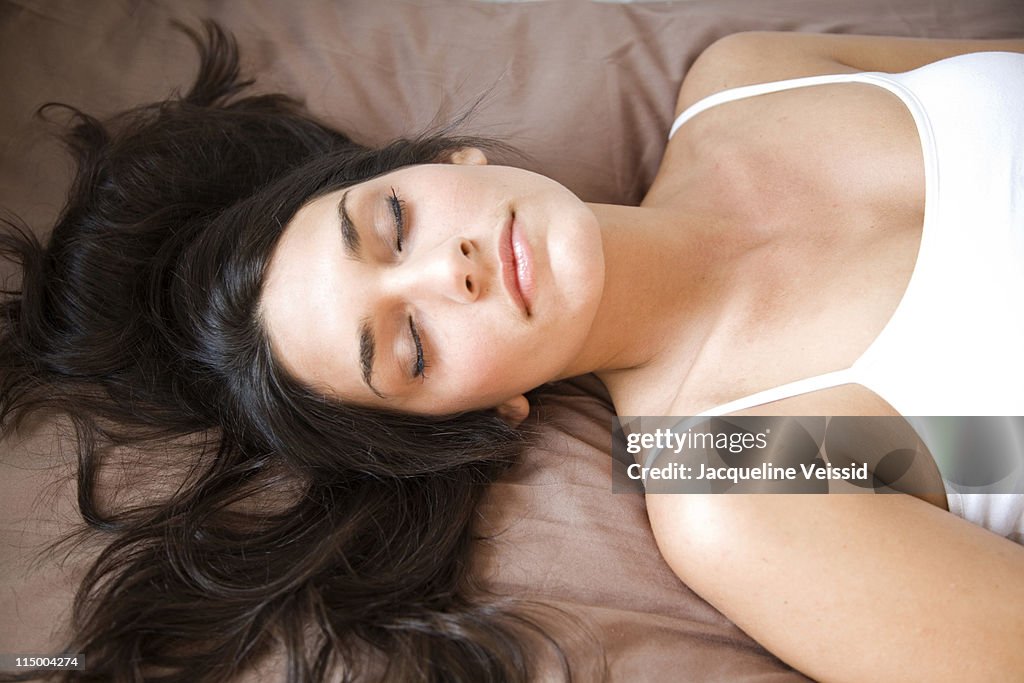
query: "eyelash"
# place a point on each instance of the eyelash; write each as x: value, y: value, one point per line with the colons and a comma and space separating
x: 398, y: 209
x: 420, y: 366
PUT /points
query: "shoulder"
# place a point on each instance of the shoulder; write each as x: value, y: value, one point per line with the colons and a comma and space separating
x: 752, y: 57
x: 763, y: 56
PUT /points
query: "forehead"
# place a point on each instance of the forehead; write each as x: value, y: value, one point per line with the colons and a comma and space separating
x: 302, y: 285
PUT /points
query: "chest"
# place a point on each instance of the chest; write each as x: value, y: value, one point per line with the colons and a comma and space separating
x: 814, y: 161
x: 821, y: 194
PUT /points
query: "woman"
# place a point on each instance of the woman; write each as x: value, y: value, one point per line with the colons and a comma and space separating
x: 316, y: 310
x: 774, y: 220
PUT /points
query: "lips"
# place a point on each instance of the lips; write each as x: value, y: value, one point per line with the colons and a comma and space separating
x: 517, y: 266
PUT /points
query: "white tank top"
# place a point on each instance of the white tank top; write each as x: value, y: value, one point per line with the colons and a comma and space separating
x: 955, y: 343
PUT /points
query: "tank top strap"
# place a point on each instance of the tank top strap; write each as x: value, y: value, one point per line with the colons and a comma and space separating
x: 746, y: 91
x: 789, y: 390
x: 802, y: 386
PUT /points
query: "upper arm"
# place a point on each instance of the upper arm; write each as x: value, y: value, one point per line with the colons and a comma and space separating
x: 852, y: 587
x: 763, y: 56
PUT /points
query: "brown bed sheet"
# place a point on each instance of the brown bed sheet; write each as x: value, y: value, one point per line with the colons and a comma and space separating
x: 585, y: 89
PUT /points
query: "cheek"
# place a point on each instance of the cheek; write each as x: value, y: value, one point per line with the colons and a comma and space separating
x: 482, y: 366
x: 488, y: 374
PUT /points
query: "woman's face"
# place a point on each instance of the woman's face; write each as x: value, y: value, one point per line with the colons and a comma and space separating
x: 437, y: 288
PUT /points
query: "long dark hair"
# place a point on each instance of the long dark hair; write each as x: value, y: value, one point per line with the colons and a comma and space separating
x: 340, y: 535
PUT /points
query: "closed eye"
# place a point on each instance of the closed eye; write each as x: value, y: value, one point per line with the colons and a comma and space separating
x: 398, y: 210
x: 420, y: 365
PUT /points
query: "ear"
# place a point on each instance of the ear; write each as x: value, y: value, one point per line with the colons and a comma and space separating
x: 514, y: 410
x: 468, y: 156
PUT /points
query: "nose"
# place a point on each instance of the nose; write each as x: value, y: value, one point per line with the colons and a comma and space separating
x: 452, y: 270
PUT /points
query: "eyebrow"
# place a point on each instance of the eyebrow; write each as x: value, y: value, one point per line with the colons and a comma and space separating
x: 349, y: 234
x: 367, y: 343
x: 367, y: 349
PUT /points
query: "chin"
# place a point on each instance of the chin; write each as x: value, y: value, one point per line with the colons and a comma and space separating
x: 577, y: 262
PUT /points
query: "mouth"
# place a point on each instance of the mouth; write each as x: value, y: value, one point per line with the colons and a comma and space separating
x: 517, y: 266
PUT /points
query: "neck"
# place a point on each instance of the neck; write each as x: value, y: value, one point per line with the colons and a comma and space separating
x: 665, y: 274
